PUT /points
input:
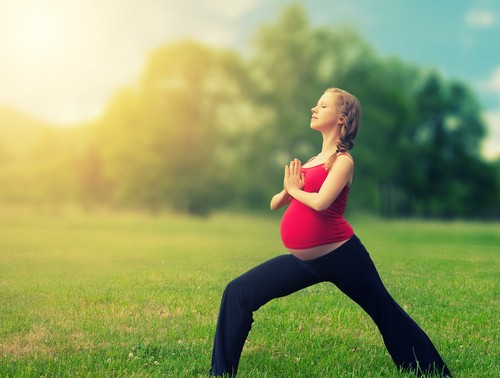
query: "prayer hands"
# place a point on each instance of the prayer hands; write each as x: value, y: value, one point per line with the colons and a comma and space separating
x: 294, y: 179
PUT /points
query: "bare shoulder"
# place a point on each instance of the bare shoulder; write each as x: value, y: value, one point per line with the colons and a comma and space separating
x: 343, y: 164
x: 345, y: 158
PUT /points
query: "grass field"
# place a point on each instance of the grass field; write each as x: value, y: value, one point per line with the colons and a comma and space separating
x: 137, y: 296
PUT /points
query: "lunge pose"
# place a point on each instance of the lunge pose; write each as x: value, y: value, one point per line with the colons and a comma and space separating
x: 323, y: 247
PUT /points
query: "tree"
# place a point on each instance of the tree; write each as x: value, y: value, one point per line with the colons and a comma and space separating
x: 418, y: 131
x: 293, y: 64
x: 164, y: 137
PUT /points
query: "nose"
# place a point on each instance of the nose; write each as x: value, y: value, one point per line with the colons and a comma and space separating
x: 313, y: 110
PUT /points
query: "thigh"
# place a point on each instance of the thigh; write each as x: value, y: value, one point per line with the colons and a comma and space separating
x: 278, y: 277
x: 351, y: 269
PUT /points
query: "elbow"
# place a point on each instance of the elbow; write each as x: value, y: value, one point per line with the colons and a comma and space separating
x: 274, y: 205
x: 320, y: 206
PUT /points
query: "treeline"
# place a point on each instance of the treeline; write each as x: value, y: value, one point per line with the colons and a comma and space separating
x: 205, y: 128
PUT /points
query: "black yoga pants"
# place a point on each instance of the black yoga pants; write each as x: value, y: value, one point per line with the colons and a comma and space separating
x: 351, y: 269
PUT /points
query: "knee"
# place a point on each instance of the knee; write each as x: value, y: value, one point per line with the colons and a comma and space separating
x: 237, y: 291
x: 236, y: 288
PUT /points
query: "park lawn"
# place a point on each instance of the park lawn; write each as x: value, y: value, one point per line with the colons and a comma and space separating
x: 132, y: 295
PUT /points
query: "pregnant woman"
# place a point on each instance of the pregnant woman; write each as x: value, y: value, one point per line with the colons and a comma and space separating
x: 323, y: 247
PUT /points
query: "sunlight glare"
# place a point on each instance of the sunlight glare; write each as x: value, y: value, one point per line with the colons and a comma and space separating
x: 36, y: 30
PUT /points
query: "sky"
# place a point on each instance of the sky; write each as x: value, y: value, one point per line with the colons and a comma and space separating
x: 62, y: 60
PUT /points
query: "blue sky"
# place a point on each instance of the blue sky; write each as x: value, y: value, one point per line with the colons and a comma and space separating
x: 460, y: 38
x: 63, y: 60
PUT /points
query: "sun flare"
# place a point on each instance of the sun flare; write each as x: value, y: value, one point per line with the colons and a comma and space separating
x: 36, y: 30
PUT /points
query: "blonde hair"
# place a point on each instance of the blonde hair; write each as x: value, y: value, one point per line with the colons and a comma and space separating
x: 350, y: 109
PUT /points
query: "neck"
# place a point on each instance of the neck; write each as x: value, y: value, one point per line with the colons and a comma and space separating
x: 330, y: 142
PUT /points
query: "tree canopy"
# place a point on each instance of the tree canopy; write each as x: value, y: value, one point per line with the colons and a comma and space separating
x: 205, y: 128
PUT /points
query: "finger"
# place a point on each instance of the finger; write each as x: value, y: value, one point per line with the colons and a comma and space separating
x: 296, y: 167
x: 287, y: 171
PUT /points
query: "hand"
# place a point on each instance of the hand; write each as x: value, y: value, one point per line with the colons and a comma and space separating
x: 294, y: 179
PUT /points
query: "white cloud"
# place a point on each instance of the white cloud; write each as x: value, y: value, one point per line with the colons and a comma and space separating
x: 494, y: 82
x: 491, y: 145
x: 480, y: 19
x: 490, y: 84
x: 491, y: 89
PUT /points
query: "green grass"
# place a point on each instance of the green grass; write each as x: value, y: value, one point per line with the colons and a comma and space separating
x: 136, y: 296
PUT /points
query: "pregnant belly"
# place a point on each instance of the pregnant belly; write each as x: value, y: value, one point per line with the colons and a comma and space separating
x: 315, y: 252
x: 310, y: 234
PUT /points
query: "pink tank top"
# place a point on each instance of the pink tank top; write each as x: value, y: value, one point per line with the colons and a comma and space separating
x: 303, y: 227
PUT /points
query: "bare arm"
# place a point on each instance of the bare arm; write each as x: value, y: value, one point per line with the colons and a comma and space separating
x: 338, y: 177
x: 280, y: 199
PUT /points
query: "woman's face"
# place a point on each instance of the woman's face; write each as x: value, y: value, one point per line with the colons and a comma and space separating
x: 325, y: 114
